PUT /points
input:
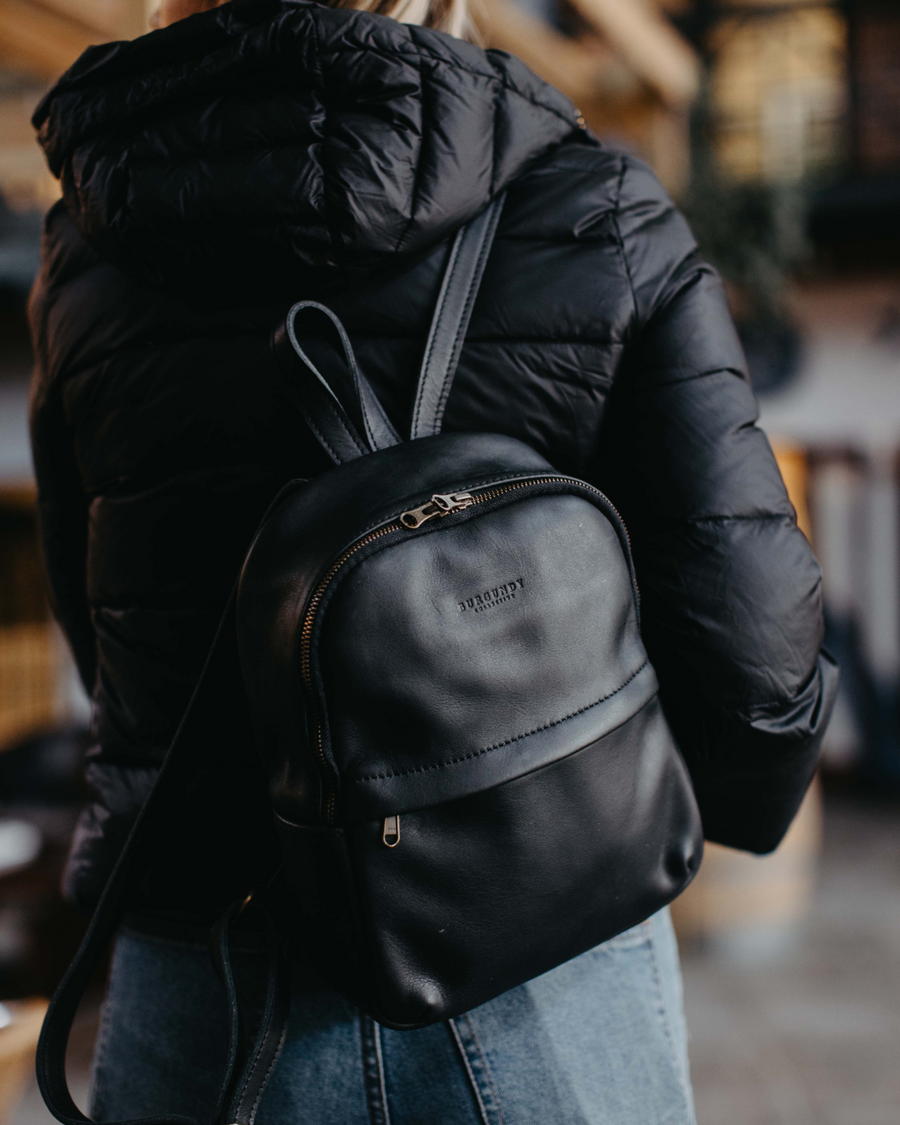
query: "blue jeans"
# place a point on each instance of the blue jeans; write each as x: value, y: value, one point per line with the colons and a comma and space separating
x: 598, y: 1041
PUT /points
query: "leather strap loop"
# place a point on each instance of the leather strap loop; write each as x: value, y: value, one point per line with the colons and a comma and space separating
x: 220, y: 954
x: 455, y: 302
x: 262, y: 1056
x: 242, y: 1097
x: 342, y: 436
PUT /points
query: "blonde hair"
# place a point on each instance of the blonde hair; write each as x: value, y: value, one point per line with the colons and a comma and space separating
x: 451, y: 16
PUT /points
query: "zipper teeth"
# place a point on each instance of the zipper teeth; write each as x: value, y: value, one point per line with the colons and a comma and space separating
x: 306, y: 647
x: 395, y: 525
x: 491, y: 493
x: 325, y: 581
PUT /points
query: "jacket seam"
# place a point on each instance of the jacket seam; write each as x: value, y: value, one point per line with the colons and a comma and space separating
x: 415, y: 186
x: 620, y: 239
x: 319, y: 87
x: 172, y: 342
x: 687, y: 522
x: 66, y: 371
x: 569, y: 239
x: 724, y: 370
x: 553, y: 341
x: 223, y: 153
x: 653, y: 540
x: 495, y: 101
x: 758, y: 517
x: 746, y: 718
x: 500, y: 78
x: 508, y: 741
x: 690, y: 277
x: 418, y: 49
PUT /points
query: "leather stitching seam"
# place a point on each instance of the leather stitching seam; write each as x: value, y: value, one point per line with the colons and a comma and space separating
x: 315, y: 429
x: 277, y: 1055
x: 462, y: 327
x: 341, y: 424
x: 463, y: 324
x: 428, y: 378
x: 508, y: 741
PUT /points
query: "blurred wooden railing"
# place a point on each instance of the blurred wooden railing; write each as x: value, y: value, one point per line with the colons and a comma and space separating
x: 31, y: 653
x: 30, y: 672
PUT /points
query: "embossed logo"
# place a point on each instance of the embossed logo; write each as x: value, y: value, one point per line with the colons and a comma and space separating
x: 494, y: 596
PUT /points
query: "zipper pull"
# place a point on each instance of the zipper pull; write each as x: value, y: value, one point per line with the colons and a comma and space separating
x: 440, y: 504
x: 452, y: 501
x: 390, y: 835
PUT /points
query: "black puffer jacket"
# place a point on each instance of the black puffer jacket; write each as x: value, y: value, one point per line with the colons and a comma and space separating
x: 269, y: 150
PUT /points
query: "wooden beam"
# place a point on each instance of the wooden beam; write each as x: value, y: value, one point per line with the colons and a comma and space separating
x: 571, y: 66
x: 40, y: 41
x: 116, y: 19
x: 44, y: 37
x: 649, y: 44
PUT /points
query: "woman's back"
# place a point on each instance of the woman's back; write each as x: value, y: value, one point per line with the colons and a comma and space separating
x: 269, y: 152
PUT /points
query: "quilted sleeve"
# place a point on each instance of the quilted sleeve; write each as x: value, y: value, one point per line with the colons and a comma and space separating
x: 62, y: 504
x: 731, y: 593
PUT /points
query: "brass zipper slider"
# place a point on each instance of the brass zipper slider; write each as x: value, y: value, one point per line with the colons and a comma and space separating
x: 440, y: 504
x: 390, y: 835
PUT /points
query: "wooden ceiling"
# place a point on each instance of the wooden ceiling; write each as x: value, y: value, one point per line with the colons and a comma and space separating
x: 44, y: 37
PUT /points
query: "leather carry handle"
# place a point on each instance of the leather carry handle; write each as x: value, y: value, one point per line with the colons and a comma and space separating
x: 341, y: 436
x: 455, y: 302
x: 346, y: 430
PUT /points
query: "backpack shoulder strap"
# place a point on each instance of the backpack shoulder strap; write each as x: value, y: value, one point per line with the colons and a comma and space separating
x: 456, y: 299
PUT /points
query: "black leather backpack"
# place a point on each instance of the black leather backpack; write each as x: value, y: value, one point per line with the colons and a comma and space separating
x: 469, y: 769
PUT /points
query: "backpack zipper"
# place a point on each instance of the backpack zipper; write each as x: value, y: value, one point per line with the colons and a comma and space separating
x: 390, y: 833
x: 441, y: 504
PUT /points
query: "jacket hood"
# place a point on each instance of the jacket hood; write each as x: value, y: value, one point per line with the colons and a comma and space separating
x: 269, y: 138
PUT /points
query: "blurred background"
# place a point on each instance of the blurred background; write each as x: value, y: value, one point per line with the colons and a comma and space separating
x: 776, y: 126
